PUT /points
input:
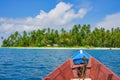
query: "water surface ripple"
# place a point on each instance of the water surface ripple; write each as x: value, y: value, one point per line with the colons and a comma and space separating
x: 34, y: 64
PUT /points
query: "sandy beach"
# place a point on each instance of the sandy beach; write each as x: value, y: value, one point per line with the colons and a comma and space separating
x: 77, y: 48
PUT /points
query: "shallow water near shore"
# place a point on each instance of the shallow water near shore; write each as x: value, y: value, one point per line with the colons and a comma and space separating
x: 34, y: 64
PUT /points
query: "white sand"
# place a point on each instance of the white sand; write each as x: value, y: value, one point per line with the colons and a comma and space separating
x: 61, y: 48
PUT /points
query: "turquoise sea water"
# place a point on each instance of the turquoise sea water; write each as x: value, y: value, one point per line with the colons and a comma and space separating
x: 34, y: 64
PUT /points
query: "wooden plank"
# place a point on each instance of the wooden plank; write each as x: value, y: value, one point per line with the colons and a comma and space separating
x: 77, y: 66
x: 88, y: 68
x: 97, y: 71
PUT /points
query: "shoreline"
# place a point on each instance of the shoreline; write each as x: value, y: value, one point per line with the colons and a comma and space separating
x: 76, y: 48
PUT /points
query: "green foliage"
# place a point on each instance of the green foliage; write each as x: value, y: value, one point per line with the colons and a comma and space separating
x: 77, y: 36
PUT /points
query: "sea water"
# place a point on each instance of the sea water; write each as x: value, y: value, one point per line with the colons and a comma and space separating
x: 34, y: 64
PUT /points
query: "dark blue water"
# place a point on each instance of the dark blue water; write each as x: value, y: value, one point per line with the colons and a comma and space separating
x: 34, y: 64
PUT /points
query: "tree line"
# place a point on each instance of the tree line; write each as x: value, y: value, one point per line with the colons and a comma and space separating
x: 77, y: 36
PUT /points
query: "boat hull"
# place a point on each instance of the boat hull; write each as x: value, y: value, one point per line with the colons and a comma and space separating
x: 95, y: 71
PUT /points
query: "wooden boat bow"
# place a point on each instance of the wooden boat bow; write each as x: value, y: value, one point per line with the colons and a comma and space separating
x: 94, y: 70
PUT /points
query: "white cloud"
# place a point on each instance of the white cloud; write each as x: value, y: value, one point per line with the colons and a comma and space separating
x: 63, y: 14
x: 110, y: 21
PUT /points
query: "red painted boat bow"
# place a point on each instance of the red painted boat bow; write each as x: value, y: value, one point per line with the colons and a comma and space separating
x: 95, y: 70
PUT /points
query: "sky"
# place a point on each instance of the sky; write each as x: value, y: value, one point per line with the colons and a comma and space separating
x: 28, y: 15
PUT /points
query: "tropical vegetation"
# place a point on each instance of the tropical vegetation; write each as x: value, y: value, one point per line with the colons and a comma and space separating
x: 77, y: 36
